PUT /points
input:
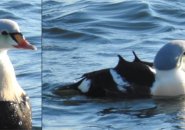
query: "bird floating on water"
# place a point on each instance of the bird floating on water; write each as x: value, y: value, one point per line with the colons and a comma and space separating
x: 165, y: 77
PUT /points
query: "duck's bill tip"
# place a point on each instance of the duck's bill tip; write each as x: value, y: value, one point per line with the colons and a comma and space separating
x: 24, y: 44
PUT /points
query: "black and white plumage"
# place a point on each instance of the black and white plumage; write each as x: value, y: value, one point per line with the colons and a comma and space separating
x: 139, y: 79
x: 15, y: 109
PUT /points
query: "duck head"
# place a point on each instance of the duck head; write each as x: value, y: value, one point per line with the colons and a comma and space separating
x: 171, y: 56
x: 11, y: 37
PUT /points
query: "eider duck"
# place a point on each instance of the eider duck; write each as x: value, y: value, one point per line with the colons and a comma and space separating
x: 15, y: 109
x: 138, y: 79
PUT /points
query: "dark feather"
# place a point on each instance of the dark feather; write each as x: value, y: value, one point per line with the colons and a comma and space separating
x: 135, y: 72
x: 15, y: 116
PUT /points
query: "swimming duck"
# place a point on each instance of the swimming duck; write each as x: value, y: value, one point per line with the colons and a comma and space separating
x: 15, y: 109
x: 139, y: 79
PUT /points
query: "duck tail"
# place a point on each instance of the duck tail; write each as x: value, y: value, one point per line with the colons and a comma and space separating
x: 73, y: 85
x: 68, y: 89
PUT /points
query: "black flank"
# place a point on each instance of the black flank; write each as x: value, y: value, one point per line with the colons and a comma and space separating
x: 102, y: 84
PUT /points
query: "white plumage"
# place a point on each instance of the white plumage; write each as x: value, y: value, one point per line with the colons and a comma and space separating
x: 85, y: 85
x: 118, y: 80
x: 169, y: 83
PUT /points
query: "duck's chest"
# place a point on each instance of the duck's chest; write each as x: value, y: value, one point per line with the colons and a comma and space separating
x: 169, y: 83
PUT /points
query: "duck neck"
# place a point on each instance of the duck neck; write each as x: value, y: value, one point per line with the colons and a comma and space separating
x: 9, y: 87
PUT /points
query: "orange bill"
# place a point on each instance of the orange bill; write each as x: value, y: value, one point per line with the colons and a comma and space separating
x: 23, y: 43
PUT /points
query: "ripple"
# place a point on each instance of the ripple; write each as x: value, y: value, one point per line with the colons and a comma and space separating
x: 71, y: 34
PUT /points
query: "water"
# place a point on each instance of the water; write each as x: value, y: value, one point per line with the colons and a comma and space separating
x: 27, y: 64
x: 85, y: 35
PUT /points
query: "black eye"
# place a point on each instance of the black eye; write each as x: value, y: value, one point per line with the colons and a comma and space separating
x: 4, y: 33
x: 184, y: 53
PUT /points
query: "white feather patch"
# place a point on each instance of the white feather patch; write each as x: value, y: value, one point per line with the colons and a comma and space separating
x: 118, y: 80
x: 169, y: 83
x: 85, y: 85
x: 152, y: 69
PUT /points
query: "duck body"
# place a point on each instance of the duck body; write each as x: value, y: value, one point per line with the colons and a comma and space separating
x: 126, y: 80
x: 15, y: 108
x: 139, y: 79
